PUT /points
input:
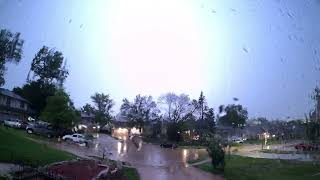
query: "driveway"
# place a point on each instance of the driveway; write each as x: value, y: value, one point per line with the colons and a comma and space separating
x: 151, y: 161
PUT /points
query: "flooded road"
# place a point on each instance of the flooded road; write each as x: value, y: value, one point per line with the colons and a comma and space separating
x: 151, y: 161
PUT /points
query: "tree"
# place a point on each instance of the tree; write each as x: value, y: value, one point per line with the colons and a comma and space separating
x: 178, y: 108
x: 202, y: 105
x: 36, y: 92
x: 143, y: 109
x: 10, y: 50
x: 103, y: 107
x: 60, y: 111
x: 88, y: 109
x: 235, y: 116
x: 206, y: 127
x: 168, y: 99
x: 48, y: 67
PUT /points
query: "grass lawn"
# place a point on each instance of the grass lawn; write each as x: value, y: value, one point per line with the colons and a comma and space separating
x: 15, y: 148
x: 130, y: 173
x: 246, y: 168
x: 269, y: 142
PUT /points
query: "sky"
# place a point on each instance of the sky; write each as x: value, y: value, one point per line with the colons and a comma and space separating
x: 264, y: 52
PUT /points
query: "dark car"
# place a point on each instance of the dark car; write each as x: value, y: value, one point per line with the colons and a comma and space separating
x: 168, y: 145
x: 46, y: 129
x: 306, y: 147
x: 23, y: 125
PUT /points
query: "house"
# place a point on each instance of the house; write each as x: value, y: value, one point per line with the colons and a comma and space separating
x: 13, y: 106
x: 87, y: 118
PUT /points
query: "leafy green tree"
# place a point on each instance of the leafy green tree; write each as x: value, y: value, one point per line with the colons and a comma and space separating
x: 202, y: 105
x: 36, y: 92
x: 60, y: 111
x: 88, y: 109
x: 206, y: 127
x: 48, y: 66
x: 10, y: 50
x: 103, y: 107
x: 234, y: 115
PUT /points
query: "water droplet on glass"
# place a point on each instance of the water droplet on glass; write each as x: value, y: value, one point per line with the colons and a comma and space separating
x: 245, y: 50
x: 81, y: 25
x: 233, y: 10
x: 213, y: 11
x: 70, y: 20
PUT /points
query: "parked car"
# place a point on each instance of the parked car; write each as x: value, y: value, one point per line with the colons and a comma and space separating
x: 236, y: 139
x: 45, y: 129
x: 168, y: 145
x: 15, y: 123
x: 23, y: 125
x: 77, y: 138
x: 307, y: 147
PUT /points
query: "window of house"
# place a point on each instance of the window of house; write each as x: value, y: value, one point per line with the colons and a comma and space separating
x: 21, y: 104
x: 8, y: 102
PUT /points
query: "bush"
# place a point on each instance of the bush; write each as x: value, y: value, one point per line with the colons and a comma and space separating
x: 215, y: 151
x: 173, y: 132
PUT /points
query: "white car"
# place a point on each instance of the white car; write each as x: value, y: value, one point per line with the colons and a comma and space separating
x: 12, y: 123
x: 78, y: 138
x: 238, y: 140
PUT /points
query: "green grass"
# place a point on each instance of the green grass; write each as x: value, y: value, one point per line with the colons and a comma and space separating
x: 16, y: 148
x: 276, y: 151
x: 246, y: 168
x: 130, y: 173
x: 269, y: 142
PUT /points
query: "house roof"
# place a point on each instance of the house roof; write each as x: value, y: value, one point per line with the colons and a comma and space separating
x: 86, y: 115
x: 11, y: 94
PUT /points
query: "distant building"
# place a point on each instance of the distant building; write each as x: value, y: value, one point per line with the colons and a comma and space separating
x: 87, y: 118
x: 13, y: 106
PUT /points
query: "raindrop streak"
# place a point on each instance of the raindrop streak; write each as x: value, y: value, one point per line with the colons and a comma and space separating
x: 245, y: 50
x: 70, y: 20
x: 290, y: 15
x: 213, y: 11
x: 81, y: 25
x: 233, y: 10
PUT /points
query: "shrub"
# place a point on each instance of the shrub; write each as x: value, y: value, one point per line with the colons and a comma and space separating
x: 215, y: 151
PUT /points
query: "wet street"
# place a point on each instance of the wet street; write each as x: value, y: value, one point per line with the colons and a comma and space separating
x: 151, y: 161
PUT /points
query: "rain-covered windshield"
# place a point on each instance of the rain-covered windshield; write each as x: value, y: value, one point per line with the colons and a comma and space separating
x: 160, y: 89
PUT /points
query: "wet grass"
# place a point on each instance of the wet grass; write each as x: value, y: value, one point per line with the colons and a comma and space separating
x: 269, y: 142
x: 130, y: 174
x: 15, y: 147
x: 246, y: 168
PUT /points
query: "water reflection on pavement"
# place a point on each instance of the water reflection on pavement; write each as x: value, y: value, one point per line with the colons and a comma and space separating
x: 151, y: 161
